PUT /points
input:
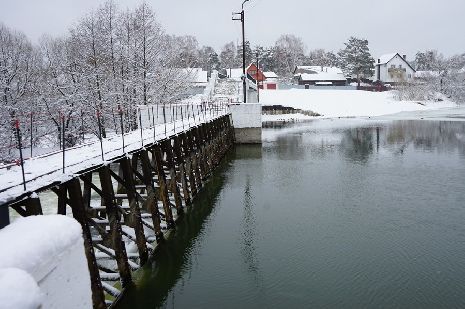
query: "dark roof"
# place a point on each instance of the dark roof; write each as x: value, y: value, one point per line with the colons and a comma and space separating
x: 397, y: 54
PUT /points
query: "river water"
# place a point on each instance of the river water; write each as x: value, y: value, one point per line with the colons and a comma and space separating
x: 325, y: 214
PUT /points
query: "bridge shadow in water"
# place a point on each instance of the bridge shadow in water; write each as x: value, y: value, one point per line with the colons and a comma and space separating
x: 168, y: 264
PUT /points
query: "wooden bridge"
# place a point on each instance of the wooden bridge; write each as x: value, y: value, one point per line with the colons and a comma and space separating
x: 133, y: 199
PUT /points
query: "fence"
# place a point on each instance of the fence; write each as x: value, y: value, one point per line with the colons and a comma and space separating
x: 152, y: 121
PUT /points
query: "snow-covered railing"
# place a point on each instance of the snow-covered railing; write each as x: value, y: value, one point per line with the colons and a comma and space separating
x: 154, y: 123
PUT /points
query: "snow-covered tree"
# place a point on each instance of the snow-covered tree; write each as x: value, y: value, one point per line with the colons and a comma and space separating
x: 208, y: 59
x: 429, y: 60
x: 289, y: 52
x: 228, y: 56
x: 266, y: 58
x: 18, y: 77
x: 356, y: 60
x: 320, y: 57
x: 111, y: 60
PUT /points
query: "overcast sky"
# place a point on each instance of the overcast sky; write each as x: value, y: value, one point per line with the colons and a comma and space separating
x: 403, y: 26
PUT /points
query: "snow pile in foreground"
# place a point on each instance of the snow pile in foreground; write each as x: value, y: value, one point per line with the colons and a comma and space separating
x: 32, y: 241
x: 18, y: 290
x: 47, y: 251
x: 343, y: 103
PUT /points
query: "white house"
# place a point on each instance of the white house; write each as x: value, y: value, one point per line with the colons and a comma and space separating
x: 235, y: 74
x: 393, y: 68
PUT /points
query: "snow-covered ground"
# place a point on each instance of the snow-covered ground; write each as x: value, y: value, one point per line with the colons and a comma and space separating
x: 336, y: 103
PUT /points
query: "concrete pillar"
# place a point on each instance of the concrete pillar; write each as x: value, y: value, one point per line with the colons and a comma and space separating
x: 247, y: 122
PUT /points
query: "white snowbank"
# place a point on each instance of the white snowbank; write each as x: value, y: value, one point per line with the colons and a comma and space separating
x: 286, y: 117
x: 32, y: 241
x: 18, y: 290
x: 345, y: 103
x: 51, y: 250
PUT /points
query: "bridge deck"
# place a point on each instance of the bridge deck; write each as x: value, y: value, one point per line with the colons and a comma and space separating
x: 47, y: 170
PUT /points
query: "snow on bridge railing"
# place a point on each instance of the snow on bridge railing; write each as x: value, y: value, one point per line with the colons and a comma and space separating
x: 151, y: 123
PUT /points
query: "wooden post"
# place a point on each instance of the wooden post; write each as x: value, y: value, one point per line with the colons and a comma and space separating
x: 115, y: 225
x: 152, y: 198
x: 167, y: 148
x: 33, y: 207
x: 79, y: 213
x: 186, y: 145
x: 179, y: 160
x: 136, y: 219
x: 163, y: 187
x: 62, y: 196
x: 4, y: 216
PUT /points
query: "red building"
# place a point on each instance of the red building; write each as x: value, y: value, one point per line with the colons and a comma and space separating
x: 266, y: 80
x: 255, y: 73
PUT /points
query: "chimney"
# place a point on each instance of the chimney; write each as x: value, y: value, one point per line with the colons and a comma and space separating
x: 404, y: 56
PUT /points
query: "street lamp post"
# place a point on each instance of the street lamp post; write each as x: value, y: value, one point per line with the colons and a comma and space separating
x: 242, y: 19
x: 258, y: 80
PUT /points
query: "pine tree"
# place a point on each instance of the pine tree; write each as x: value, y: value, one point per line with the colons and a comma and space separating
x: 208, y: 59
x: 249, y: 57
x: 228, y: 56
x: 356, y: 59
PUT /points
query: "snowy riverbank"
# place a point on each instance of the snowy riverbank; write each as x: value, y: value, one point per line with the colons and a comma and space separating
x: 339, y: 103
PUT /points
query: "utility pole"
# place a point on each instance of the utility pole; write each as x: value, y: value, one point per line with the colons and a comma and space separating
x: 258, y: 80
x: 242, y: 19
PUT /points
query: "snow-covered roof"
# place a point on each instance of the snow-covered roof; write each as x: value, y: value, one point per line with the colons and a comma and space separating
x: 333, y: 75
x: 383, y: 59
x: 196, y: 75
x: 270, y: 74
x: 319, y: 73
x: 314, y: 69
x: 248, y: 67
x: 234, y: 73
x: 388, y: 57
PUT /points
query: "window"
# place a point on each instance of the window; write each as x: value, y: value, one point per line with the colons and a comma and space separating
x: 393, y: 66
x: 400, y: 66
x: 410, y: 76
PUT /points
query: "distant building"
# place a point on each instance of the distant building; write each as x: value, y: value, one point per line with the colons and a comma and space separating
x: 197, y: 77
x: 267, y: 80
x: 235, y: 74
x: 255, y: 73
x: 319, y: 76
x: 393, y: 68
x: 271, y: 81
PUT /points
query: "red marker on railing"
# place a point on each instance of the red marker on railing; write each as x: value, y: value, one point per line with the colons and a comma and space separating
x: 100, y: 133
x: 18, y: 135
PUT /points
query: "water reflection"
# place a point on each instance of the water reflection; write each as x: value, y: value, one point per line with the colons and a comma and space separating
x: 357, y: 144
x: 365, y: 215
x: 360, y: 144
x: 249, y: 234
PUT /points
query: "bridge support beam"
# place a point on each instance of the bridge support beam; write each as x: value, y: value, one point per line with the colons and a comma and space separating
x: 134, y: 201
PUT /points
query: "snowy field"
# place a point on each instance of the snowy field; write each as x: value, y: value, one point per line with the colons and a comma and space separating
x: 335, y: 103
